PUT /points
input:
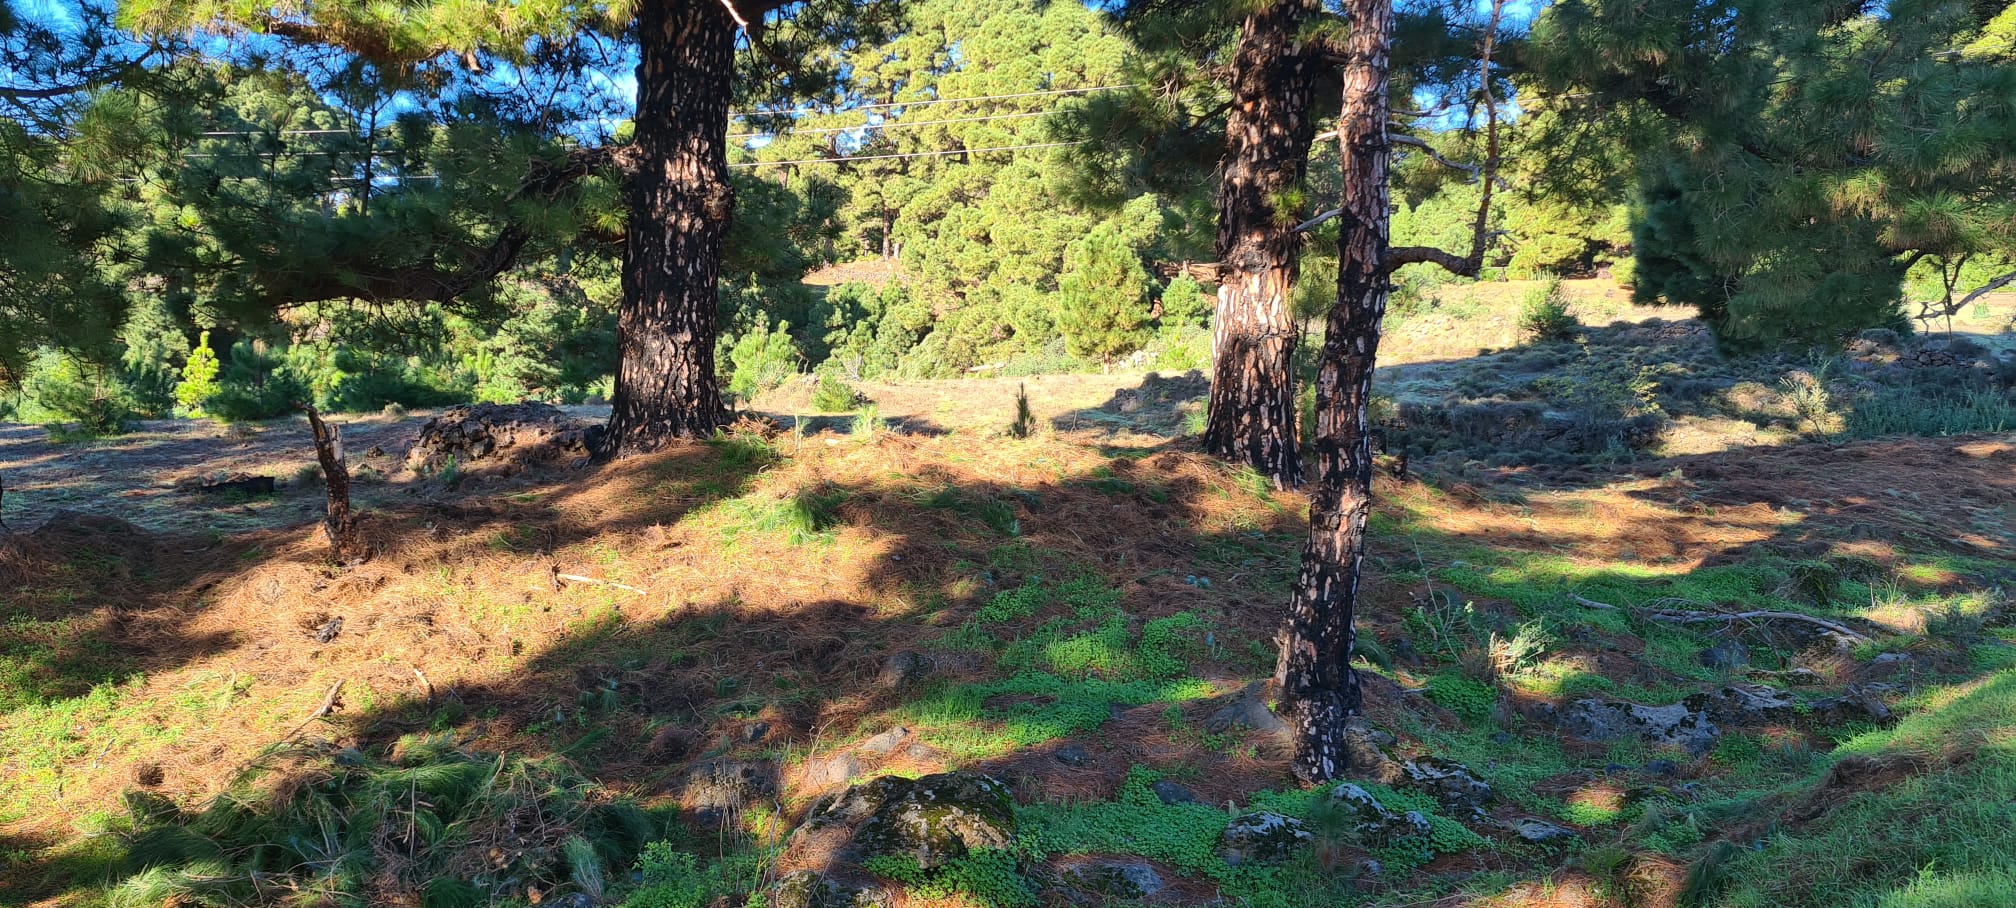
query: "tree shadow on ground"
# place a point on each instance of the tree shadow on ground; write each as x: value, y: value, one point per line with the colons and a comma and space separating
x: 771, y: 643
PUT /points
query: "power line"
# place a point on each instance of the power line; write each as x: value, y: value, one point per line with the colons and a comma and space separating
x: 780, y: 113
x: 282, y: 132
x: 925, y: 103
x: 896, y: 125
x: 912, y: 154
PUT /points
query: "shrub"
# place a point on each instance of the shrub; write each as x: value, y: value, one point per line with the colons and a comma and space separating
x: 834, y: 395
x: 1544, y: 312
x: 256, y: 385
x: 199, y: 380
x: 1625, y: 272
x: 1181, y: 349
x: 1185, y: 304
x: 154, y: 343
x: 868, y: 421
x: 356, y: 827
x: 1025, y: 421
x: 761, y: 359
x: 1911, y: 411
x: 1812, y: 404
x: 62, y: 388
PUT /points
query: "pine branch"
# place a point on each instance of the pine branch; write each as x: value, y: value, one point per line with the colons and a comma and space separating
x: 752, y: 28
x: 1474, y: 170
x: 1480, y: 233
x: 1985, y: 289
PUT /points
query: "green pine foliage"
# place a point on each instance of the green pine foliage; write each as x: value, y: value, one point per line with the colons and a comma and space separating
x: 1543, y: 312
x: 1793, y: 157
x: 1185, y: 304
x: 834, y: 394
x: 359, y: 824
x: 63, y: 389
x: 199, y: 380
x: 1102, y: 296
x: 153, y: 344
x: 761, y: 359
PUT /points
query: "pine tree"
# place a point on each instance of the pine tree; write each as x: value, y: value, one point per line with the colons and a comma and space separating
x: 1319, y: 689
x: 1852, y: 142
x: 1237, y: 89
x: 61, y: 142
x: 1103, y: 296
x: 1238, y: 86
x: 676, y: 187
x: 199, y: 380
x: 1184, y: 303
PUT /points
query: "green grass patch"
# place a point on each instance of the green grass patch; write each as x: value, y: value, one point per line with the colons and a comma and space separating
x: 805, y: 517
x: 1941, y: 837
x: 971, y: 722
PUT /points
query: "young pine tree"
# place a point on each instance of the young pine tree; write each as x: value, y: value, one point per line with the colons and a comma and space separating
x: 1103, y: 297
x: 199, y: 380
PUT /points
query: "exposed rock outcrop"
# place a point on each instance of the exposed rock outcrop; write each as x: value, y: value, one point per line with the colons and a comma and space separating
x: 502, y: 438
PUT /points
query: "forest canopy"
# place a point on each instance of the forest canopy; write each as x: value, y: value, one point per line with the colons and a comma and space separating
x: 419, y: 214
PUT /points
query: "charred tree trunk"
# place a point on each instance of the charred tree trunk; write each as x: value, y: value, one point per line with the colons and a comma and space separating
x: 1252, y: 411
x: 680, y: 201
x: 341, y: 524
x: 1319, y: 689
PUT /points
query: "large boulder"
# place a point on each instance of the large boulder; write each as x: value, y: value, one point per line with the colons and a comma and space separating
x: 1677, y: 725
x: 1262, y: 837
x: 502, y: 438
x: 934, y: 819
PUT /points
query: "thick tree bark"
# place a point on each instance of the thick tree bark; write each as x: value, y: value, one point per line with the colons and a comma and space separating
x: 1319, y: 689
x: 341, y: 524
x: 680, y: 201
x: 1252, y: 410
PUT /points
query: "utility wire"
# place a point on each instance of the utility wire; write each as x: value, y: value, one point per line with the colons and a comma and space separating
x: 822, y: 130
x: 899, y: 124
x: 913, y: 154
x: 924, y: 103
x: 779, y: 113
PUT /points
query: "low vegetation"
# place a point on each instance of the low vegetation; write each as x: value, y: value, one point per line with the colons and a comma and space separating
x: 761, y: 621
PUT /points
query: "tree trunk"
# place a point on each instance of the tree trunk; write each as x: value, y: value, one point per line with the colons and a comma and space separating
x: 341, y: 523
x: 1319, y: 689
x: 680, y: 200
x: 1252, y: 411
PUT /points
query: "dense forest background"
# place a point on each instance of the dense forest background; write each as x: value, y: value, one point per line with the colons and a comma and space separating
x: 225, y: 232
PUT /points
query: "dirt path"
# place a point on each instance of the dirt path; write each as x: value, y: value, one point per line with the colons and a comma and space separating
x: 134, y: 476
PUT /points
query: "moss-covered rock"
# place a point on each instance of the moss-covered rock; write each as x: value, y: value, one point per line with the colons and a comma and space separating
x: 1451, y: 784
x: 807, y: 889
x: 1262, y: 837
x: 934, y: 820
x: 1108, y: 878
x: 1372, y: 822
